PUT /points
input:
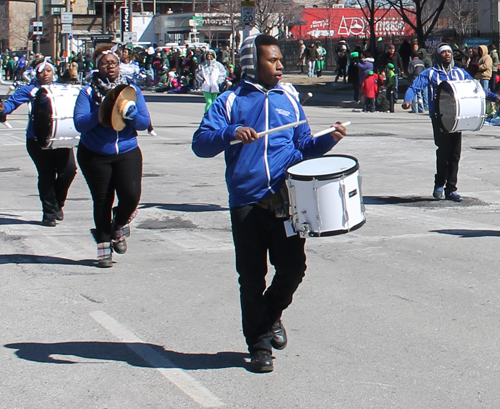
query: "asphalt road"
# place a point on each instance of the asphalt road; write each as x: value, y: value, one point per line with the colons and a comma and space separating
x: 402, y: 313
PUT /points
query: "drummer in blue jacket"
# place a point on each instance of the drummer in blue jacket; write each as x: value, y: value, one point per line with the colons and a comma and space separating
x: 111, y: 161
x: 56, y: 167
x: 255, y: 177
x: 449, y: 145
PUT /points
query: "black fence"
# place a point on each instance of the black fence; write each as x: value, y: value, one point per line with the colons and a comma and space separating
x: 290, y: 47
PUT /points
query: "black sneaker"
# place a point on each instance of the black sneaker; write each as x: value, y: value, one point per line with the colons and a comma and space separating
x: 454, y: 196
x: 261, y: 361
x: 279, y: 339
x: 438, y: 192
x: 49, y: 222
x: 60, y: 215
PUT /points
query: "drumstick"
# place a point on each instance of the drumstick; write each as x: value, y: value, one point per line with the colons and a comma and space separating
x: 329, y: 130
x: 277, y: 129
x: 309, y: 95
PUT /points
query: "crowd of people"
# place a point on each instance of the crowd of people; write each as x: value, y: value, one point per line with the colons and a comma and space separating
x: 161, y: 69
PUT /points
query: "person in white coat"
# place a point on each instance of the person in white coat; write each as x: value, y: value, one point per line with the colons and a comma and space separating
x: 210, y: 75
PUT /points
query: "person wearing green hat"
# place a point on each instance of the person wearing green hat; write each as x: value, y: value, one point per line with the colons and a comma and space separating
x: 353, y: 75
x: 370, y: 90
x: 391, y: 85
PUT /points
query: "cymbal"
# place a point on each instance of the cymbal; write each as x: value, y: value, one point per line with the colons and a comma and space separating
x: 110, y: 114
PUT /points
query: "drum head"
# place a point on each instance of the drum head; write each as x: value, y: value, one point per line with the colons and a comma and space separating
x: 324, y: 168
x: 446, y: 106
x: 42, y: 117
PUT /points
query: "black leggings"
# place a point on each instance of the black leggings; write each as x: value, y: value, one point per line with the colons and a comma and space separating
x: 105, y: 175
x: 56, y: 170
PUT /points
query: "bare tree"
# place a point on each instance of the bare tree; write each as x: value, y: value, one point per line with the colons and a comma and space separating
x: 370, y: 9
x: 461, y: 16
x: 274, y: 14
x: 420, y: 15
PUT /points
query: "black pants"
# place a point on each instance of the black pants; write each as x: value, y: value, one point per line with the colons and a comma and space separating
x: 105, y: 175
x: 392, y: 99
x: 356, y: 88
x: 256, y: 232
x: 449, y: 147
x: 56, y: 170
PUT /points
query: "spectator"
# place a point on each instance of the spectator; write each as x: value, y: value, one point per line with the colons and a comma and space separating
x: 484, y: 68
x: 341, y: 62
x: 311, y: 57
x: 353, y: 75
x: 301, y: 63
x: 391, y: 57
x: 366, y: 64
x: 320, y: 62
x: 405, y: 51
x: 391, y: 86
x: 415, y: 67
x: 370, y: 89
x: 495, y: 61
x: 210, y: 75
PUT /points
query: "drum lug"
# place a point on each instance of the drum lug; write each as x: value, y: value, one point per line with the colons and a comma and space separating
x: 304, y: 232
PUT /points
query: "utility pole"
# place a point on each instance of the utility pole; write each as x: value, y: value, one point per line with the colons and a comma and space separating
x: 104, y: 31
x: 37, y: 15
x: 131, y: 10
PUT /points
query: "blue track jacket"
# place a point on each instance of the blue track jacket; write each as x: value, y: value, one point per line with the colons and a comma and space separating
x: 434, y: 76
x: 257, y: 170
x: 24, y: 95
x: 105, y: 140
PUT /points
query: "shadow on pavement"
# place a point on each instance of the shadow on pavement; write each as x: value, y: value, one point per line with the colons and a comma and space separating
x: 185, y: 207
x: 124, y: 352
x: 10, y: 220
x: 34, y: 259
x: 465, y: 234
x: 419, y: 201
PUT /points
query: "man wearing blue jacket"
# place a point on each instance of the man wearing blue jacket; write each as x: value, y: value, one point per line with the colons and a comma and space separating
x: 255, y: 177
x: 449, y: 145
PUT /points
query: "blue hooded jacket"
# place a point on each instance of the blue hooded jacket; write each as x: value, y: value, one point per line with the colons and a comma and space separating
x: 105, y: 140
x: 257, y: 170
x: 24, y: 95
x: 433, y: 76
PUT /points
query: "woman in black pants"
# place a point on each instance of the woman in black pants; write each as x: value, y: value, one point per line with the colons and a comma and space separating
x: 110, y: 160
x: 56, y: 167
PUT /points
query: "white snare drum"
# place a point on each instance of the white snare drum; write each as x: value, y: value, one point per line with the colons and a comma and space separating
x: 325, y: 196
x: 461, y: 105
x: 53, y: 117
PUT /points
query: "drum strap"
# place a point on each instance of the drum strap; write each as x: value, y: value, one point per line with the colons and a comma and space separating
x: 277, y: 203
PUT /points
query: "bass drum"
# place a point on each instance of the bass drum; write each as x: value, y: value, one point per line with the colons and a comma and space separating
x: 53, y: 117
x: 461, y: 105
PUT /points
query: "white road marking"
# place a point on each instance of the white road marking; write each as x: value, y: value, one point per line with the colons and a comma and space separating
x: 186, y: 383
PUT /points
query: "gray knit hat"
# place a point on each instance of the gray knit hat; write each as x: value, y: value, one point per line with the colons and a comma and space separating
x: 248, y: 58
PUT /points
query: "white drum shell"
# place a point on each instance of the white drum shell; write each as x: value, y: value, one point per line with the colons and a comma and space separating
x: 465, y: 108
x: 326, y: 207
x: 63, y: 101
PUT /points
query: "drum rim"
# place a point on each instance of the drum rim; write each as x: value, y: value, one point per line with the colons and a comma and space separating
x: 329, y: 176
x: 338, y: 232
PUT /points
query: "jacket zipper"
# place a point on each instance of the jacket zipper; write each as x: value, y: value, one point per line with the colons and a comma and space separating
x: 266, y: 141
